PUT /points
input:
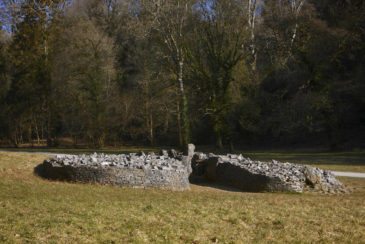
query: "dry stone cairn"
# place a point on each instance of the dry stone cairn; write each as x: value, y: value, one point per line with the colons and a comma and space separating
x: 256, y: 176
x: 172, y: 170
x: 134, y: 170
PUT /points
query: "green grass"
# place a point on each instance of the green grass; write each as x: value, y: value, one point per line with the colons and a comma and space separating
x: 36, y: 210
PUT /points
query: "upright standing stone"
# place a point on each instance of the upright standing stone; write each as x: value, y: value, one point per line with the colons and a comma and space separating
x: 191, y: 150
x: 188, y: 156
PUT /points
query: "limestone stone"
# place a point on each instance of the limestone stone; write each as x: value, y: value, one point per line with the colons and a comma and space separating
x: 257, y: 176
x: 142, y: 170
x: 173, y: 170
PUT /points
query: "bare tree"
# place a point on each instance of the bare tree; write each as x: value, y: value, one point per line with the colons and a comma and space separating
x: 296, y: 7
x: 84, y: 71
x: 215, y: 53
x: 252, y: 12
x: 169, y: 20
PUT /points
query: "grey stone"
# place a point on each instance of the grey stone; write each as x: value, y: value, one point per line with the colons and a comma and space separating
x: 173, y: 153
x: 256, y: 176
x: 190, y: 150
x: 132, y: 170
x: 164, y: 153
x: 171, y: 170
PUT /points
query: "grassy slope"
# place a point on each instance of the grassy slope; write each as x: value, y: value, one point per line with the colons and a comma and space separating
x: 36, y: 210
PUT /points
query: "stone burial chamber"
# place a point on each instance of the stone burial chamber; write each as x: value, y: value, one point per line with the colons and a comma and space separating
x: 173, y: 170
x: 256, y: 176
x: 133, y: 170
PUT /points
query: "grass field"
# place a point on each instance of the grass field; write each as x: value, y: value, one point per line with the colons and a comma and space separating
x: 339, y: 161
x: 35, y: 210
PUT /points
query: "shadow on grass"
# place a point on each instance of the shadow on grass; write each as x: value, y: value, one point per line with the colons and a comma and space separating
x: 40, y: 171
x: 210, y: 184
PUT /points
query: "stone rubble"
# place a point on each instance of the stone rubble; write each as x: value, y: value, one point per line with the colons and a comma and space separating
x: 130, y: 161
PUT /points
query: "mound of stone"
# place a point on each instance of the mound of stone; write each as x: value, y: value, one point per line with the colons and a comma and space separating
x: 172, y: 170
x: 134, y: 170
x: 257, y: 176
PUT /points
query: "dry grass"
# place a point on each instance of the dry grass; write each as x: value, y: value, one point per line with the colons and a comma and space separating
x: 349, y: 168
x: 338, y: 161
x: 36, y: 210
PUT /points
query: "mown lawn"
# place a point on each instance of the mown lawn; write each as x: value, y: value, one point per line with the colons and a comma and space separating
x: 37, y: 210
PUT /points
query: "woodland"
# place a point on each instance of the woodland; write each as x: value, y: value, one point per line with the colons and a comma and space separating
x: 225, y: 73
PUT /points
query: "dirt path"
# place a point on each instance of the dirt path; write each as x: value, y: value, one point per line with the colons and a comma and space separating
x: 349, y: 174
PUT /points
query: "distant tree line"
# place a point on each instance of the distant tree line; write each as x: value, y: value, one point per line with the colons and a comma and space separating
x: 167, y: 72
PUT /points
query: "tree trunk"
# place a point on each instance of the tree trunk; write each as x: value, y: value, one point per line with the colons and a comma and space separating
x: 219, y: 140
x: 74, y: 141
x: 251, y: 23
x: 37, y: 132
x: 296, y: 8
x: 49, y: 136
x: 101, y: 140
x: 42, y: 131
x: 179, y: 123
x: 21, y: 141
x: 293, y: 37
x: 30, y: 132
x: 14, y: 139
x: 184, y: 105
x: 151, y: 130
x: 166, y: 124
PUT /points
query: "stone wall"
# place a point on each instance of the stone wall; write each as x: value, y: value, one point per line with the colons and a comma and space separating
x: 140, y: 171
